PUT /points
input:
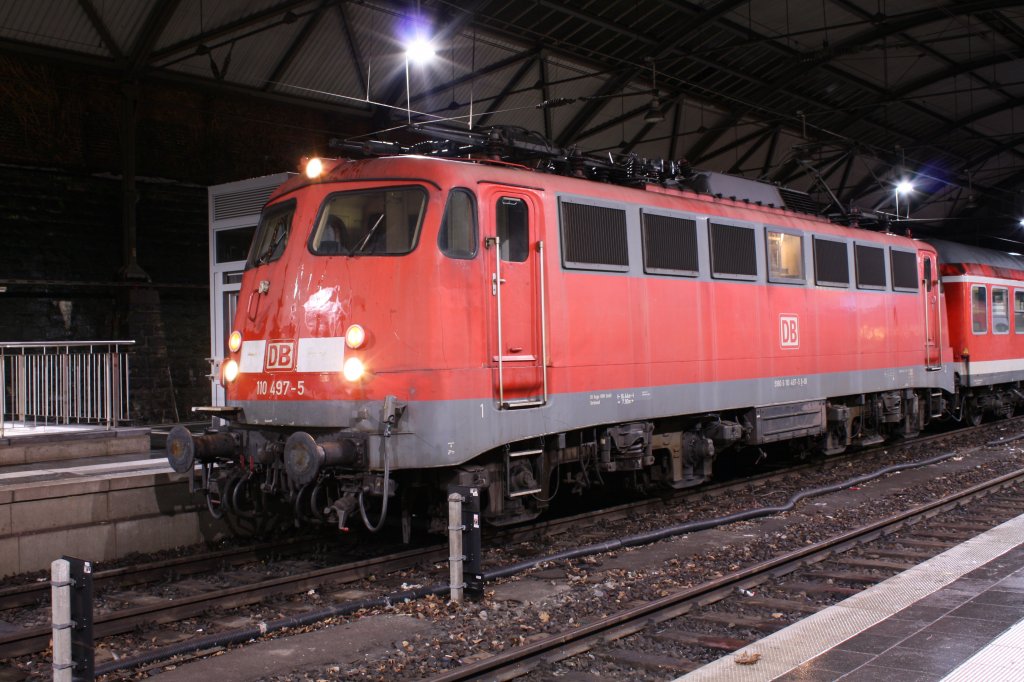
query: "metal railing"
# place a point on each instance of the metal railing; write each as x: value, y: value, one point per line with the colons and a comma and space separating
x: 73, y: 382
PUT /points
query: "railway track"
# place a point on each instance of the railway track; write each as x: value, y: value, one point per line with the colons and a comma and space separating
x: 34, y: 640
x: 723, y: 615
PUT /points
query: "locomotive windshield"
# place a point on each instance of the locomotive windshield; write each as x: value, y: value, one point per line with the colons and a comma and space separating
x: 272, y: 234
x: 383, y: 222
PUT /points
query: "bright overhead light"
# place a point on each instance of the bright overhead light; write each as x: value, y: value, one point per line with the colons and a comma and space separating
x: 905, y: 187
x: 419, y: 51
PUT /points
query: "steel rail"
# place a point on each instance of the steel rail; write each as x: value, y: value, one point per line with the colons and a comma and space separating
x: 37, y: 639
x: 521, y: 659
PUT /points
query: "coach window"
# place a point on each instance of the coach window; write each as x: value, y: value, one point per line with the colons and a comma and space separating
x: 785, y: 257
x: 670, y: 245
x: 904, y: 270
x: 513, y: 220
x: 733, y: 251
x: 831, y: 263
x: 593, y: 237
x: 457, y: 236
x: 979, y: 310
x: 1000, y: 310
x: 1018, y: 311
x: 870, y: 265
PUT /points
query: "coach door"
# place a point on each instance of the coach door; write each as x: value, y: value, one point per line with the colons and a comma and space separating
x: 516, y: 344
x: 932, y: 313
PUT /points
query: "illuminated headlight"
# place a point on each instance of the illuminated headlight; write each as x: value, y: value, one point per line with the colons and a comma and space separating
x: 353, y: 369
x: 314, y: 167
x: 355, y: 336
x: 235, y: 341
x: 230, y: 371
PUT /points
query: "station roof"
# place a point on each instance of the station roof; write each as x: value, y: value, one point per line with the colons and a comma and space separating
x: 840, y: 98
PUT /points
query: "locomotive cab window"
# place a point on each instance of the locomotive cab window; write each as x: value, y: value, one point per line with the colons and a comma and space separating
x: 457, y: 237
x: 831, y: 263
x: 733, y: 251
x: 1018, y: 311
x: 593, y: 237
x: 1000, y: 310
x: 513, y: 227
x: 904, y: 270
x: 271, y: 235
x: 979, y: 309
x: 785, y: 257
x: 670, y: 245
x: 870, y: 264
x: 383, y: 222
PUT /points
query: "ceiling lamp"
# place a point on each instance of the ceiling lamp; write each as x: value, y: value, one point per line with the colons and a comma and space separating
x: 653, y: 113
x: 419, y: 51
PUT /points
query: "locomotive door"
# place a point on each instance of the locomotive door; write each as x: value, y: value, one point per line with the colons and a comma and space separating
x: 516, y: 345
x: 932, y: 314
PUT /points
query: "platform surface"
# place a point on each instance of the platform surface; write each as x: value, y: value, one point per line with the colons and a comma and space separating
x: 958, y: 616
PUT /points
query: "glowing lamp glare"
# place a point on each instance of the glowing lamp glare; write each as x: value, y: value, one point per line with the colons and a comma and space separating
x: 230, y: 371
x: 353, y: 369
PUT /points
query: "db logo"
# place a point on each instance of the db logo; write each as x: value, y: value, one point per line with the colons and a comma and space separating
x: 789, y: 331
x: 280, y: 356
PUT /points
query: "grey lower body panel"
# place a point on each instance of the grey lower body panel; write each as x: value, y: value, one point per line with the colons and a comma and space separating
x: 448, y: 433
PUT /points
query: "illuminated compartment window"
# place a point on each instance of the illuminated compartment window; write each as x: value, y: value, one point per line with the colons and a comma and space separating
x: 870, y: 263
x: 670, y: 245
x: 785, y: 257
x: 831, y: 263
x: 1000, y: 310
x: 733, y: 251
x: 979, y: 309
x: 904, y: 270
x: 594, y: 237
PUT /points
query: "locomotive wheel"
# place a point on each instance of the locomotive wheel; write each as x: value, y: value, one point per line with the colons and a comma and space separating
x: 303, y: 500
x: 213, y: 501
x: 975, y: 414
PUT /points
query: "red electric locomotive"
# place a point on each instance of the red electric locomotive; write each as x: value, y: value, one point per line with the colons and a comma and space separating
x: 410, y: 322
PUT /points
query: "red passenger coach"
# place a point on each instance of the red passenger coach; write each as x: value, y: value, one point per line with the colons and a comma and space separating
x: 406, y: 323
x: 985, y: 303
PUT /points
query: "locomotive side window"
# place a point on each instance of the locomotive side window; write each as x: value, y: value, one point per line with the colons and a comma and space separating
x: 670, y: 245
x: 271, y: 235
x: 870, y: 264
x: 831, y: 263
x: 904, y: 270
x: 457, y: 237
x: 1018, y: 311
x: 979, y: 310
x: 785, y: 257
x: 512, y: 219
x: 377, y: 222
x: 1000, y: 311
x: 593, y: 237
x: 733, y: 251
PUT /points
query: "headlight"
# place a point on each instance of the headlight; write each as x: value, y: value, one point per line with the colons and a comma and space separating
x: 230, y: 371
x: 353, y: 369
x: 235, y: 341
x: 314, y: 167
x: 355, y: 336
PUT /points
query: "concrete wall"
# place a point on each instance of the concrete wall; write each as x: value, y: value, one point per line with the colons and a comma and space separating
x: 99, y: 519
